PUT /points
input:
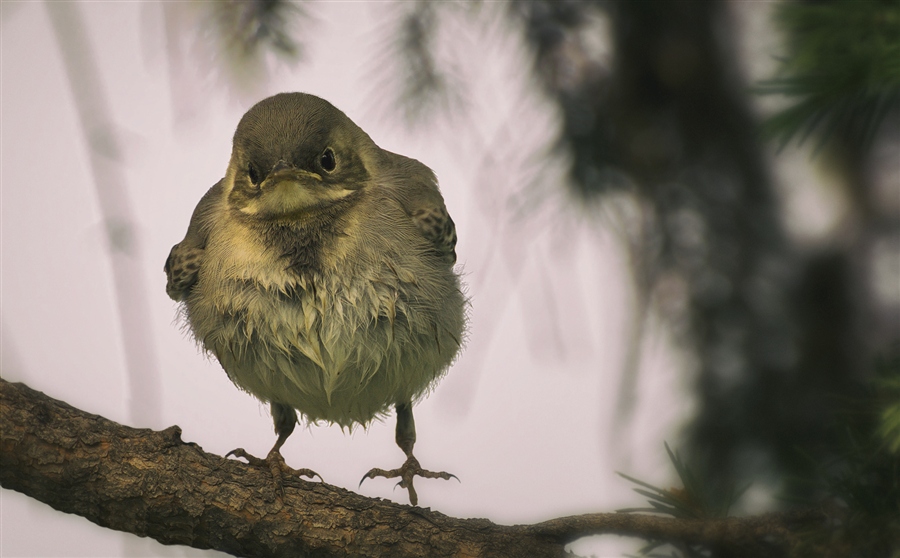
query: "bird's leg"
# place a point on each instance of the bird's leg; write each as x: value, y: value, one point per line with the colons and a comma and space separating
x: 406, y: 439
x: 285, y: 419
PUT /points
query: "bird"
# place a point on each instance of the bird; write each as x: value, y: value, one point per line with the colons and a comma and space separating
x: 321, y: 273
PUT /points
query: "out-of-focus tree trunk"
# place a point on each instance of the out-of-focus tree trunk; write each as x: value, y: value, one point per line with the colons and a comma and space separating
x: 682, y: 129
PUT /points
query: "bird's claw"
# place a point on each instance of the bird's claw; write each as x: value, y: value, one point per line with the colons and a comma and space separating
x: 252, y: 460
x: 275, y: 463
x: 407, y: 472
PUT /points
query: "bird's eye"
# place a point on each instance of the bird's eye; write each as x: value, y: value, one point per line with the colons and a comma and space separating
x: 253, y: 174
x: 327, y: 161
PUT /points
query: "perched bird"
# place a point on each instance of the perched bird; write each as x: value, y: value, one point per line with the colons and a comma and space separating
x: 320, y: 273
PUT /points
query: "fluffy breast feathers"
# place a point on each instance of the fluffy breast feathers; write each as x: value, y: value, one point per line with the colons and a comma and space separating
x: 376, y: 321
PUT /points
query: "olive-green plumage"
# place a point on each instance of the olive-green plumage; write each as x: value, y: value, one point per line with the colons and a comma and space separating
x: 319, y: 270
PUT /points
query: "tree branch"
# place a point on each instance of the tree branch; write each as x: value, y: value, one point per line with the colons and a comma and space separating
x: 153, y: 484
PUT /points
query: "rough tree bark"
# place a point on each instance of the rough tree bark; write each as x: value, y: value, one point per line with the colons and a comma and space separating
x: 153, y: 484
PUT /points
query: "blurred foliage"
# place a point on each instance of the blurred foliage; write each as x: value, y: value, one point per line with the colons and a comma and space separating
x: 410, y: 78
x: 778, y: 330
x: 666, y: 120
x: 239, y: 42
x: 577, y: 77
x: 693, y: 501
x: 889, y: 384
x: 249, y: 28
x: 860, y: 485
x: 841, y: 70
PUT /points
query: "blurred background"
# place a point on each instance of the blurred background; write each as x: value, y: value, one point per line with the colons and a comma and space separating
x: 679, y: 222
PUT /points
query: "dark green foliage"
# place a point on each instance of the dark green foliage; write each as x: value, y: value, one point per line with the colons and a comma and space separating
x: 888, y: 385
x: 841, y: 70
x: 860, y: 486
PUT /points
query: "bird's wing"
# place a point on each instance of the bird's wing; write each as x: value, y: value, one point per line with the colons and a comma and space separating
x: 185, y: 258
x: 436, y: 225
x: 423, y: 202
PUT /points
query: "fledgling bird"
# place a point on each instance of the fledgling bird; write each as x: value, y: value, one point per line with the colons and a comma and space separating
x: 320, y: 273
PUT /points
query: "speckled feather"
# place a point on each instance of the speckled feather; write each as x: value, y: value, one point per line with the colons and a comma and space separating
x: 340, y: 312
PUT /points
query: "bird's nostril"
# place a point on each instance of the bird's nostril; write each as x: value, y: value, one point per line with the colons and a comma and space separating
x: 281, y: 164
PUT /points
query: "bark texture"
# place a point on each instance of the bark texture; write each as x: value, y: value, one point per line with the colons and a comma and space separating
x: 153, y: 484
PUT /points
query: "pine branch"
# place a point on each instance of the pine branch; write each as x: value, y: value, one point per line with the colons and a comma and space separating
x: 154, y: 484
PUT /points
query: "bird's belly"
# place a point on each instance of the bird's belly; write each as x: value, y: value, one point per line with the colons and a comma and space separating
x: 339, y: 352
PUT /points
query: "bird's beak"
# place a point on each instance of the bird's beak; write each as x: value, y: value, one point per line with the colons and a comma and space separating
x: 290, y: 192
x: 283, y: 167
x: 285, y: 175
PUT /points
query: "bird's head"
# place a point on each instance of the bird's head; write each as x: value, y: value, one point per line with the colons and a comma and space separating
x: 295, y: 154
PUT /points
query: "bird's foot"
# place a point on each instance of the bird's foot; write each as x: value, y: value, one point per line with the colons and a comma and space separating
x: 409, y: 470
x: 274, y: 462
